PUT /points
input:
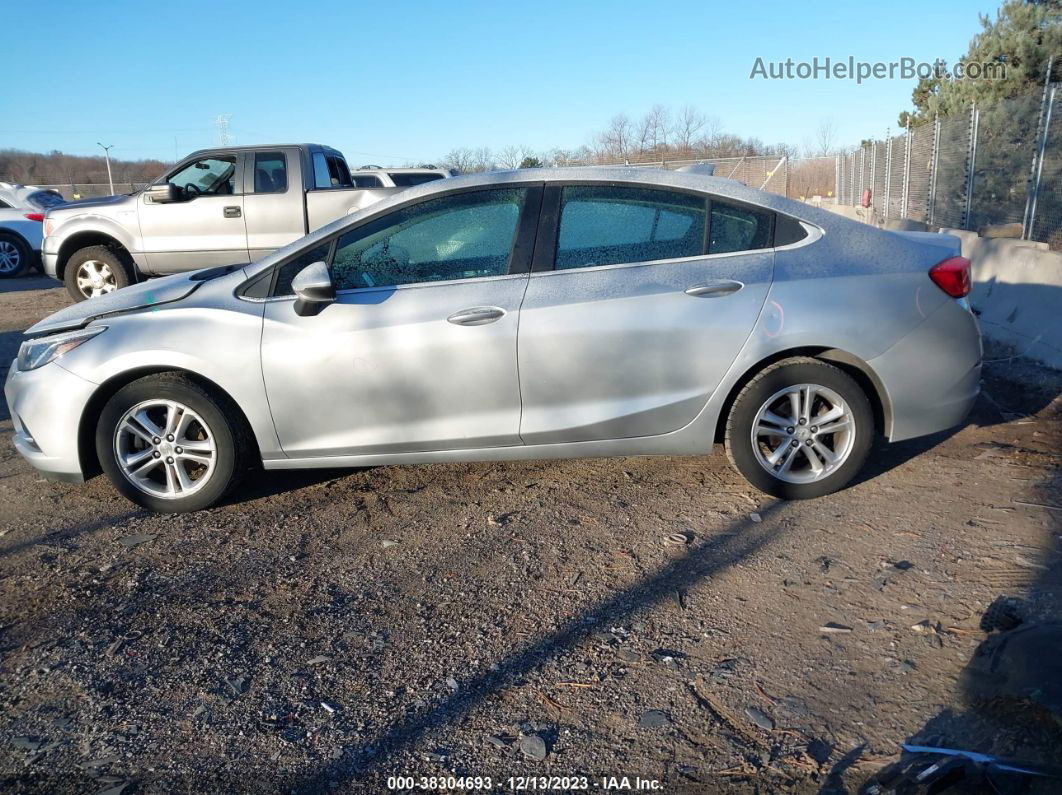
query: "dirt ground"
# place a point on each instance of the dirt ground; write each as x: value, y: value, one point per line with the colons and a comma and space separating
x: 658, y: 618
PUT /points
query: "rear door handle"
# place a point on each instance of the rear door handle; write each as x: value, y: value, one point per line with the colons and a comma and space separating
x: 476, y: 316
x: 233, y: 212
x: 713, y: 289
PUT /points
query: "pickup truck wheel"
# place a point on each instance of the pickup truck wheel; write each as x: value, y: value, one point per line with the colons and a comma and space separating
x: 171, y: 445
x: 15, y: 256
x: 95, y: 271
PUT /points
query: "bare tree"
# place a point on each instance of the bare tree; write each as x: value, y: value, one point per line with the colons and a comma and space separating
x: 615, y: 142
x: 689, y: 124
x: 512, y: 156
x: 652, y: 131
x: 469, y: 161
x: 825, y: 138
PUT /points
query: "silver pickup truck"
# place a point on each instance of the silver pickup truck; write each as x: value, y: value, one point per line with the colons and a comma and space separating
x: 222, y: 206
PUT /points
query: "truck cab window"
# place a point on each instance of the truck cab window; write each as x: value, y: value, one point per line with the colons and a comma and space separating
x: 211, y: 176
x: 330, y: 171
x: 270, y: 172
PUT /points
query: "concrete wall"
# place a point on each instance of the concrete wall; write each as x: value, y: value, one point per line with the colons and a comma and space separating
x: 1018, y: 293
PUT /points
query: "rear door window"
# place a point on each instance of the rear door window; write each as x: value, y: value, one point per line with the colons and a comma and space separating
x: 607, y: 225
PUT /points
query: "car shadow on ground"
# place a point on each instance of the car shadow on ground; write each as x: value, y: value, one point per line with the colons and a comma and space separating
x: 706, y: 558
x: 32, y: 281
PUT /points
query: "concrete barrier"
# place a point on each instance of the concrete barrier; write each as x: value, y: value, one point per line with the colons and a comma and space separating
x: 1017, y: 292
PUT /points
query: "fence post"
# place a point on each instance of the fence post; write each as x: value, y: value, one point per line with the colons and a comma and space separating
x: 1040, y: 162
x: 888, y: 177
x: 837, y: 179
x: 935, y: 160
x: 873, y: 170
x: 1038, y: 156
x: 971, y: 164
x: 906, y: 194
x: 852, y: 181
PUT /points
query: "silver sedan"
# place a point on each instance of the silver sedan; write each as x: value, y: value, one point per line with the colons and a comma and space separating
x: 547, y: 313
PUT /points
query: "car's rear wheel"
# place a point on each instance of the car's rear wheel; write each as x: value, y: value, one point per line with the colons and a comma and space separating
x: 171, y: 445
x: 95, y: 271
x: 15, y: 256
x: 801, y: 428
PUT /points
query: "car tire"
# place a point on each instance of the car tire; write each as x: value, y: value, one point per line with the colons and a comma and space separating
x: 96, y: 270
x: 15, y: 256
x: 136, y: 428
x: 817, y: 450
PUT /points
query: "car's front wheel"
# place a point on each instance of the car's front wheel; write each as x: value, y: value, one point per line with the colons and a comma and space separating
x: 171, y: 445
x: 801, y: 428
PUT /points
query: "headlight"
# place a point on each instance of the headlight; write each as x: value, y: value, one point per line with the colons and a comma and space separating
x: 38, y: 352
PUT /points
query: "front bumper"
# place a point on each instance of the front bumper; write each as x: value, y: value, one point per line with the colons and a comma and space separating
x: 50, y: 263
x: 46, y: 406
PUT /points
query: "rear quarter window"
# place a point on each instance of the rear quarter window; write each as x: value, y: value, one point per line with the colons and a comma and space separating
x: 738, y: 228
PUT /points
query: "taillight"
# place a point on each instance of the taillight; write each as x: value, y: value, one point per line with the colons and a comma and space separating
x: 952, y: 276
x: 34, y: 216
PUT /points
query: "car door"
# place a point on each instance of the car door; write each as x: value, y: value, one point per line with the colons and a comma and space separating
x: 635, y: 309
x: 204, y: 225
x: 273, y: 200
x: 418, y: 352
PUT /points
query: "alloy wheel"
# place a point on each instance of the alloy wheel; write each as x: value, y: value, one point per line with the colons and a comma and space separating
x: 95, y: 278
x: 803, y: 433
x: 10, y: 257
x: 165, y: 449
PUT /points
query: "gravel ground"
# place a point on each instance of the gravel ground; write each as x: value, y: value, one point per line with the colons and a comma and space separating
x: 620, y: 617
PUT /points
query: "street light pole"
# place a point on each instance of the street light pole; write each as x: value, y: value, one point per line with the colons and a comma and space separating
x: 107, y: 155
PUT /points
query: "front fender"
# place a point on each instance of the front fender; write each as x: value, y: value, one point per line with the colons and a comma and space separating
x: 220, y: 346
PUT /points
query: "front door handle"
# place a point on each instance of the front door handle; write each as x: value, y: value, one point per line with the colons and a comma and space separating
x: 713, y: 289
x: 476, y: 316
x: 233, y: 212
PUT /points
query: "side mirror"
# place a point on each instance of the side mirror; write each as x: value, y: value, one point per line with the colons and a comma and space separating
x: 162, y: 194
x: 313, y: 289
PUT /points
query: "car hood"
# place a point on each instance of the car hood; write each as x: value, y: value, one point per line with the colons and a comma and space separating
x: 79, y: 205
x: 135, y: 297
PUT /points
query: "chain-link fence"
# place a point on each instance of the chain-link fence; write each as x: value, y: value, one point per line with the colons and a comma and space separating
x: 997, y: 164
x: 767, y: 172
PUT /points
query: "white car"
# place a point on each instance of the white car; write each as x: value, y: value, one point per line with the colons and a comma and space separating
x: 22, y: 209
x: 378, y: 177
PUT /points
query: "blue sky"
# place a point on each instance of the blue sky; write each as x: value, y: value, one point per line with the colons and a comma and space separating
x: 409, y: 81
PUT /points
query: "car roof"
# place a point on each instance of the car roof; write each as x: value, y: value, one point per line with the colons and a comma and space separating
x: 636, y: 175
x: 263, y: 147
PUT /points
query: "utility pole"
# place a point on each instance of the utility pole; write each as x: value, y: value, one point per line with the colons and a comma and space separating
x: 221, y: 123
x: 107, y: 155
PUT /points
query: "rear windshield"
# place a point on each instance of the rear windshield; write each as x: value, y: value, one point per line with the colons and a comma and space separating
x: 407, y: 179
x: 45, y: 199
